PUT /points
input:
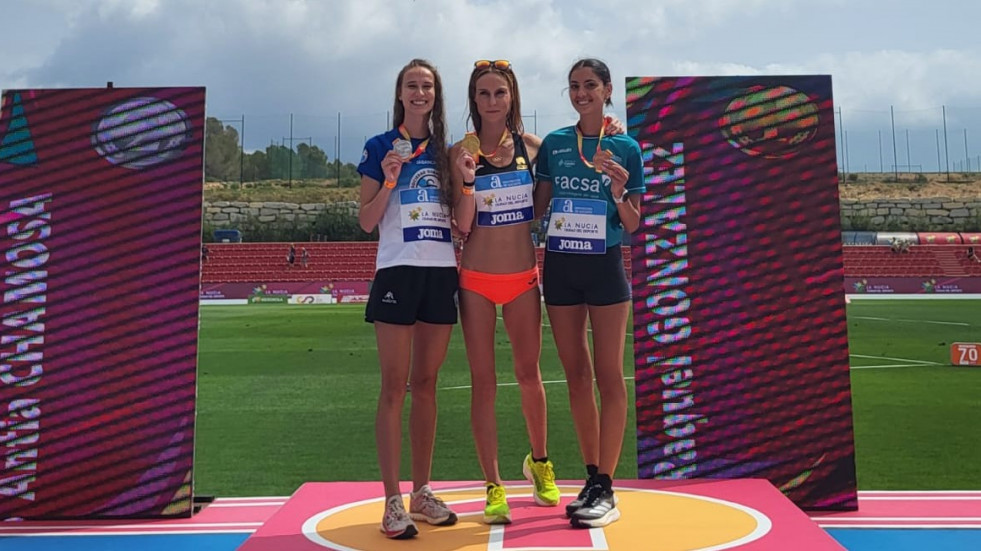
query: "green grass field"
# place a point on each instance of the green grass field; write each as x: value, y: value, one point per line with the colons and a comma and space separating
x: 286, y: 395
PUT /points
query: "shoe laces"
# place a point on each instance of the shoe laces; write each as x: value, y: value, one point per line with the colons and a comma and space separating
x: 495, y: 493
x: 395, y: 511
x: 593, y: 494
x: 585, y: 489
x: 430, y: 498
x: 547, y: 473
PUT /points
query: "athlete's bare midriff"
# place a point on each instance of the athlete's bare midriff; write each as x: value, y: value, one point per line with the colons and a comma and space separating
x: 499, y: 250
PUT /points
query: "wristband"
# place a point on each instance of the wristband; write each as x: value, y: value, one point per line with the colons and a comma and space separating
x: 390, y: 184
x: 469, y: 184
x: 467, y: 190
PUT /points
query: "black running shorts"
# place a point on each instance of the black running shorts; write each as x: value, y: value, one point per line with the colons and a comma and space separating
x: 403, y: 295
x: 569, y: 279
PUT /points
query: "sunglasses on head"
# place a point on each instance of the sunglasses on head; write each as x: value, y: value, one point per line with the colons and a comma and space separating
x: 501, y: 64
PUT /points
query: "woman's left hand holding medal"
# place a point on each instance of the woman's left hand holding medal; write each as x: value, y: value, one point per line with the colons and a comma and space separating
x: 618, y: 176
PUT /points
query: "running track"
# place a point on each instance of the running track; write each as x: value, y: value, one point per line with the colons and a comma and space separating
x: 898, y: 521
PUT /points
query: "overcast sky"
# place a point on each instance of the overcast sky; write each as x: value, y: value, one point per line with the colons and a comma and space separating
x: 315, y: 58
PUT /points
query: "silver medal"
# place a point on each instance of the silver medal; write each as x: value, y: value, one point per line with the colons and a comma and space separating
x: 403, y: 148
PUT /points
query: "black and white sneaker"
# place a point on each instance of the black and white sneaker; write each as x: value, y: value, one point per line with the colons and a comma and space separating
x: 599, y: 509
x: 577, y: 503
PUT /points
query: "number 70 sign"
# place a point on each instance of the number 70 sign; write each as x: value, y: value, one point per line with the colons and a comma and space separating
x: 965, y: 353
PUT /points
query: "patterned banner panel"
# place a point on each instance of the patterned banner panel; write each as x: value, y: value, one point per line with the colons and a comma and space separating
x: 100, y: 201
x: 739, y: 317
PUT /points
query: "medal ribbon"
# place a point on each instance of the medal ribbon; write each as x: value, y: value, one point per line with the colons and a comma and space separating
x: 504, y: 138
x: 598, y: 142
x: 419, y: 149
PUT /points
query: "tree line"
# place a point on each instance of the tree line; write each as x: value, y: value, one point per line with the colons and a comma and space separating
x: 224, y: 161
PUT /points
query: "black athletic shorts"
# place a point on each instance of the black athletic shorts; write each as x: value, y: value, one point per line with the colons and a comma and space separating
x: 569, y: 279
x: 404, y: 295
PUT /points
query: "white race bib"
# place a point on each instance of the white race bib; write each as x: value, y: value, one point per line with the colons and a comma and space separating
x: 424, y: 218
x: 577, y: 226
x: 504, y: 198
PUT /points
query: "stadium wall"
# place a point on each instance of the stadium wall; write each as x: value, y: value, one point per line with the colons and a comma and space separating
x: 227, y: 213
x: 935, y: 214
x: 891, y: 214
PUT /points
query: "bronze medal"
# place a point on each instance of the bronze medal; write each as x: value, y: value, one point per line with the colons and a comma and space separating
x: 600, y: 158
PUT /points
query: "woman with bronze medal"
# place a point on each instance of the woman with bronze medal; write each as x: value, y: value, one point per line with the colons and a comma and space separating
x: 592, y: 182
x: 494, y: 184
x: 405, y: 193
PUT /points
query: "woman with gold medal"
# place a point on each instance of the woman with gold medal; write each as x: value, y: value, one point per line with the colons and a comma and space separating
x: 494, y: 208
x: 592, y: 182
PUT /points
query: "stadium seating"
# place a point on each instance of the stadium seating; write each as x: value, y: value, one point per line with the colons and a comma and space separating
x: 255, y: 262
x: 355, y: 261
x: 329, y: 261
x: 920, y: 261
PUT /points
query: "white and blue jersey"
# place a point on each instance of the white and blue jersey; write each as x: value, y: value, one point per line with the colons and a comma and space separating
x: 584, y: 217
x: 415, y: 229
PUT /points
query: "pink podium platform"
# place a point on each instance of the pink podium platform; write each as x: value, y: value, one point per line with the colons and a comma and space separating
x: 747, y: 514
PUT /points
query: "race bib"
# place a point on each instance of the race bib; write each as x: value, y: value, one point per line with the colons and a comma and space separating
x: 504, y: 199
x: 577, y: 226
x: 424, y: 218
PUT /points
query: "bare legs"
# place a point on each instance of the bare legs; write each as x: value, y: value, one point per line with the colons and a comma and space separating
x: 426, y: 345
x: 522, y: 319
x: 600, y: 431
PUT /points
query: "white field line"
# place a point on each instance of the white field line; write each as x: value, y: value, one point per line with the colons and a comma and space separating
x: 908, y: 360
x: 885, y: 366
x: 911, y: 321
x: 558, y: 381
x: 919, y: 493
x: 136, y: 533
x: 900, y: 526
x: 898, y: 519
x: 864, y: 494
x: 918, y: 363
x: 14, y: 528
x: 248, y: 504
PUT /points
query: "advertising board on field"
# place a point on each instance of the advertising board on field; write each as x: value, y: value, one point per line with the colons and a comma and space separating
x: 100, y: 201
x: 741, y: 349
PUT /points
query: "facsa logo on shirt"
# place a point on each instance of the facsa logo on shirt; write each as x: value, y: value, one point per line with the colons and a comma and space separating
x: 575, y: 183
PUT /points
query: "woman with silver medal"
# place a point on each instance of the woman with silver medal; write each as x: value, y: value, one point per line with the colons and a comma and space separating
x: 405, y: 194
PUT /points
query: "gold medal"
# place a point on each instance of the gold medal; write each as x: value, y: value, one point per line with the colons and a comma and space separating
x: 402, y: 148
x: 470, y: 143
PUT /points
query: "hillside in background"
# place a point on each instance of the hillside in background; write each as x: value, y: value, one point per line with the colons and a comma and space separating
x: 856, y: 186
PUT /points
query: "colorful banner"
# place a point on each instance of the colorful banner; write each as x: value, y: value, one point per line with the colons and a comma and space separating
x: 740, y: 339
x: 100, y: 201
x: 337, y: 289
x: 912, y: 285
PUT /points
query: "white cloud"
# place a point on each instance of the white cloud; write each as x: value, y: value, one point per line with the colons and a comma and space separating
x: 315, y: 58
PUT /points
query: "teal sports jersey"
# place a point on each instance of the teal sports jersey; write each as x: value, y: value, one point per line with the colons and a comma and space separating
x: 559, y: 163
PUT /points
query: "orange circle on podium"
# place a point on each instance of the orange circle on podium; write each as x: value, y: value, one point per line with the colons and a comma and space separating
x: 650, y: 519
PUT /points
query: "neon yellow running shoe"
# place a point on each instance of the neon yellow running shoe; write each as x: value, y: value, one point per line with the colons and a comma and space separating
x: 497, y: 510
x: 542, y: 476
